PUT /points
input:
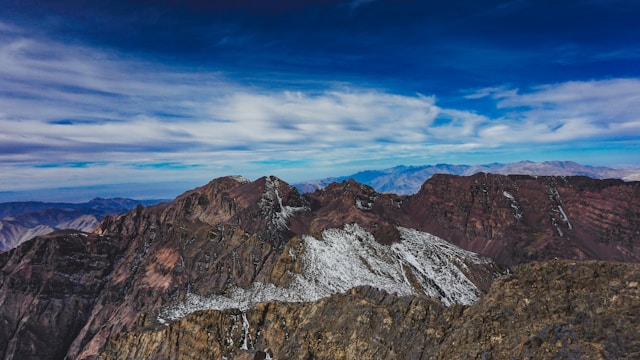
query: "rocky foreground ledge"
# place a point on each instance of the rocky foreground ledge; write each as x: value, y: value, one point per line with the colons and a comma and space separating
x: 544, y: 310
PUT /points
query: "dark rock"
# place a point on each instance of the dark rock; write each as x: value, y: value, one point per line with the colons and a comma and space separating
x: 48, y: 290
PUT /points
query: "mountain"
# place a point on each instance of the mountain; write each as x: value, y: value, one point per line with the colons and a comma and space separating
x: 518, y: 218
x: 512, y: 219
x: 408, y: 179
x: 21, y: 221
x: 227, y: 242
x: 236, y: 266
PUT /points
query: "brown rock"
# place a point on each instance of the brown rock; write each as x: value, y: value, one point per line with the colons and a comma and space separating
x: 515, y: 219
x: 557, y: 309
x: 48, y: 290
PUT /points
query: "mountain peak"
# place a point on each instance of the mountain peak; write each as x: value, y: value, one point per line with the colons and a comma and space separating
x: 405, y: 180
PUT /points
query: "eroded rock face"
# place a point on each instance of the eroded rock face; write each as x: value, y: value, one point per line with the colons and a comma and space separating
x: 351, y: 202
x: 48, y: 291
x: 515, y: 219
x: 557, y: 309
x: 364, y: 323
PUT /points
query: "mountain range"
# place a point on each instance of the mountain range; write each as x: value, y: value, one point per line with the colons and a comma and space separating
x: 481, y: 266
x: 21, y: 221
x: 408, y: 179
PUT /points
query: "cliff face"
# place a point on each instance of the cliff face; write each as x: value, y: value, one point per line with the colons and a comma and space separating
x: 236, y: 244
x: 515, y: 219
x: 557, y: 309
x: 224, y: 234
x: 48, y: 290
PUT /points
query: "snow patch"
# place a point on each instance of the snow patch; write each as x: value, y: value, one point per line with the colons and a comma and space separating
x: 363, y: 205
x: 554, y: 196
x: 564, y: 217
x: 555, y: 224
x: 279, y: 217
x: 245, y: 329
x: 517, y: 212
x: 240, y: 179
x: 350, y: 257
x: 508, y: 195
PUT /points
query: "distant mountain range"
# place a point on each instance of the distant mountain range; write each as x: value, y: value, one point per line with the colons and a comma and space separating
x: 21, y: 221
x: 404, y: 180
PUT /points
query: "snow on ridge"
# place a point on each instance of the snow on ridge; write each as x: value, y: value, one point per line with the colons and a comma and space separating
x: 350, y: 257
x: 271, y: 192
x: 239, y: 178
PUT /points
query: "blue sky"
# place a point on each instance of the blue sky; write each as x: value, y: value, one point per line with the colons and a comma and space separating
x: 149, y: 98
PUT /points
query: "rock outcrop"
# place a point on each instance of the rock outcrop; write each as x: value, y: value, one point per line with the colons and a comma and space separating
x: 48, y: 290
x: 550, y: 310
x: 553, y: 310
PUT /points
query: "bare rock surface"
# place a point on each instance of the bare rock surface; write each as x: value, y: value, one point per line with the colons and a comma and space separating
x: 549, y: 310
x: 515, y: 219
x: 48, y: 291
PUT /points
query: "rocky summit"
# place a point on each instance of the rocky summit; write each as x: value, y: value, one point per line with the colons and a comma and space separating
x: 254, y: 269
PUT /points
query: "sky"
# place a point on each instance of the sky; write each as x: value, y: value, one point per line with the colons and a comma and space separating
x: 147, y: 99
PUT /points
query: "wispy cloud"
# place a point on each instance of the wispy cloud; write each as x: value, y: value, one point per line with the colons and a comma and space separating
x: 327, y: 119
x: 578, y: 110
x: 65, y: 104
x: 75, y: 115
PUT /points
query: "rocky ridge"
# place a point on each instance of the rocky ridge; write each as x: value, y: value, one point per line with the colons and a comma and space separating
x: 557, y: 309
x: 21, y: 221
x: 237, y: 244
x: 515, y: 219
x: 407, y: 180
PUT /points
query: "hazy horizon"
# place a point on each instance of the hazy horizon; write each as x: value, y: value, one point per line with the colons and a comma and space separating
x: 169, y: 190
x: 148, y: 96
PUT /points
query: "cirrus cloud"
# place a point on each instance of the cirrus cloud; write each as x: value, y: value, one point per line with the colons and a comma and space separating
x: 565, y: 112
x: 125, y: 119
